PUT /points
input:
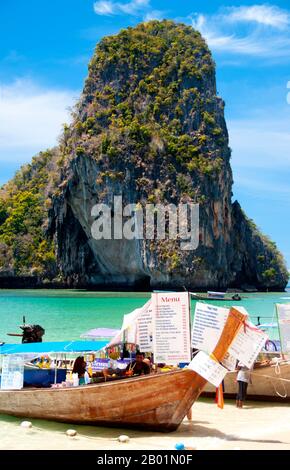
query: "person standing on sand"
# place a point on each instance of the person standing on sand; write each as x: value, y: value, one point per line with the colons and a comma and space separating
x: 243, y: 379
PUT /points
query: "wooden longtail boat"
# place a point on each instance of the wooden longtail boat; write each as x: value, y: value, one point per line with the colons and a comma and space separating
x: 155, y: 402
x: 226, y: 298
x: 270, y: 382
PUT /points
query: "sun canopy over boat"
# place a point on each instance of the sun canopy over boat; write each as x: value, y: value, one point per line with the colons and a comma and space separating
x: 52, y: 347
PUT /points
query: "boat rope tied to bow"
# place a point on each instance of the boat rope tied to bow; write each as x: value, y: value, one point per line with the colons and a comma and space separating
x: 249, y: 327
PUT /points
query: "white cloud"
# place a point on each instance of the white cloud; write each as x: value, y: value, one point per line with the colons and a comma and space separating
x: 134, y: 7
x: 108, y: 7
x: 268, y: 15
x: 266, y: 32
x: 247, y: 45
x: 31, y: 118
x: 104, y: 8
x: 154, y: 15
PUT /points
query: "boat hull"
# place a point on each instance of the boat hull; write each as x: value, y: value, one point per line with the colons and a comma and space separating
x: 157, y: 401
x: 266, y: 384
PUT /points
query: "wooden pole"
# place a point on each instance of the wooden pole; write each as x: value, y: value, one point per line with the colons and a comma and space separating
x: 55, y: 370
x: 279, y: 331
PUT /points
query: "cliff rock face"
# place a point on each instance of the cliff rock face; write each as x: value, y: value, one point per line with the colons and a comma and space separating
x: 150, y: 127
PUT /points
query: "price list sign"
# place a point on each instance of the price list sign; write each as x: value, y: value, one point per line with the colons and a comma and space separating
x: 208, y: 324
x: 12, y: 372
x: 283, y: 314
x: 247, y: 344
x: 207, y: 368
x: 171, y: 330
x: 145, y: 328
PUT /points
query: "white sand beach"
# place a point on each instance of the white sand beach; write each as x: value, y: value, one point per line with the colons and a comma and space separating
x: 258, y: 425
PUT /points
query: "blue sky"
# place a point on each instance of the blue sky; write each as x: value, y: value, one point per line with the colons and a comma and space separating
x: 45, y: 47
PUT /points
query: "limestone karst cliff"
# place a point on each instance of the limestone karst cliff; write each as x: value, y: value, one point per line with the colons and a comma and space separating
x: 150, y: 127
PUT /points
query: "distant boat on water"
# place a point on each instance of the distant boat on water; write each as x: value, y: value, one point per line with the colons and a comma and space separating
x: 216, y: 296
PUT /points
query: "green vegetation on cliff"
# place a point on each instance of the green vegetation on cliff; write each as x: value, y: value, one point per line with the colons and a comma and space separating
x: 151, y: 90
x: 24, y: 204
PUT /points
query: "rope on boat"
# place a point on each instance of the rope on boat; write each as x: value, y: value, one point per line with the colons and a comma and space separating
x: 277, y: 368
x: 277, y: 371
x: 270, y: 377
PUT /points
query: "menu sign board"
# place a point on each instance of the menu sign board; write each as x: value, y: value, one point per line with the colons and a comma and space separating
x: 171, y: 328
x: 283, y: 314
x: 12, y: 372
x: 229, y: 362
x: 247, y: 344
x: 145, y: 328
x: 208, y: 324
x: 208, y: 368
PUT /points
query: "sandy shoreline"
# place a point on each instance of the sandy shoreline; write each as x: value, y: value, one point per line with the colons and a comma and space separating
x: 258, y: 425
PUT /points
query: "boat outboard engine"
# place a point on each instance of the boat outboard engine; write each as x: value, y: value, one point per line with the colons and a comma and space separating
x: 32, y: 333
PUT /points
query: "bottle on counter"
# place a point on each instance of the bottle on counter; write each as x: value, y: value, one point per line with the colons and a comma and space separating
x: 90, y: 370
x: 75, y: 378
x: 87, y: 378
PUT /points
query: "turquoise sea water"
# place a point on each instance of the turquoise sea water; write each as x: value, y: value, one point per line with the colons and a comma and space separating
x: 66, y: 314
